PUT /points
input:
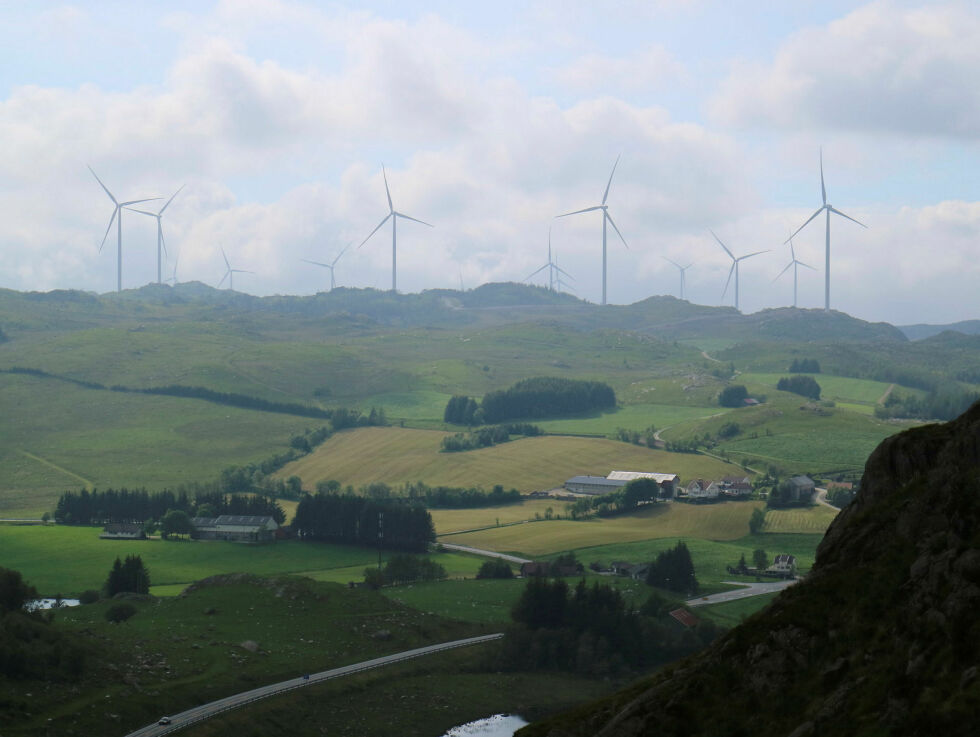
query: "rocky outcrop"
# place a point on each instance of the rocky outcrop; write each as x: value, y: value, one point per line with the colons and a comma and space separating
x: 883, y: 638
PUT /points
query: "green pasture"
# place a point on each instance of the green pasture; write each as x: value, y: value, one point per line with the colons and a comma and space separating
x: 631, y: 417
x: 448, y: 521
x: 397, y: 456
x: 815, y: 519
x: 57, y: 436
x: 483, y: 601
x: 836, y: 388
x: 732, y: 613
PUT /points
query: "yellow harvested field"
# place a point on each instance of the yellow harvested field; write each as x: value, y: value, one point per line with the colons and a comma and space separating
x: 814, y: 519
x: 725, y: 521
x: 396, y: 455
x: 456, y: 520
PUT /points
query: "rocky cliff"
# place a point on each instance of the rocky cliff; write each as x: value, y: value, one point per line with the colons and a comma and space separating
x: 882, y: 638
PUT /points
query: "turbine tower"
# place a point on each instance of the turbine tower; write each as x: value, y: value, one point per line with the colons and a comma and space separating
x: 161, y: 245
x: 735, y: 263
x: 794, y: 263
x: 605, y: 217
x: 117, y: 216
x: 393, y: 215
x: 682, y: 269
x: 230, y: 273
x: 828, y: 209
x: 553, y: 269
x: 330, y: 265
x: 173, y: 278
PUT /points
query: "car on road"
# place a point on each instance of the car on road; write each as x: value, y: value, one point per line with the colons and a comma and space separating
x: 164, y: 720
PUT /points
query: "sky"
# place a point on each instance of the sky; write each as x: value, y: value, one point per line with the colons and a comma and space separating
x: 491, y: 119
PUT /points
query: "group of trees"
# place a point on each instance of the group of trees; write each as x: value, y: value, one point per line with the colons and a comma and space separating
x: 140, y: 506
x: 593, y: 630
x: 733, y: 395
x: 646, y: 437
x: 805, y: 386
x: 945, y: 404
x: 404, y: 569
x: 543, y: 396
x: 484, y: 437
x: 804, y: 366
x: 356, y: 520
x: 29, y: 646
x: 129, y: 576
x: 449, y: 497
x: 627, y: 499
x: 673, y: 570
x: 495, y: 568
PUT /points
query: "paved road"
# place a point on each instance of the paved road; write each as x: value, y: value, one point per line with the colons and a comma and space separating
x: 206, y: 711
x: 747, y: 590
x: 485, y: 553
x: 821, y: 498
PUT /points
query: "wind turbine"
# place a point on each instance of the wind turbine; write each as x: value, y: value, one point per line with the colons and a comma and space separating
x: 230, y: 274
x: 559, y: 284
x: 394, y: 215
x: 682, y: 269
x: 173, y: 278
x: 605, y: 217
x: 553, y: 268
x: 829, y: 209
x: 330, y: 265
x: 117, y: 216
x: 794, y: 263
x: 161, y: 246
x: 735, y: 262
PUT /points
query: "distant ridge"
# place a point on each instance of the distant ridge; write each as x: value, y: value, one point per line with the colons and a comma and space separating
x: 923, y: 330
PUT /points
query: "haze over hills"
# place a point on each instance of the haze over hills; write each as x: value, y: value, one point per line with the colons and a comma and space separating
x: 920, y: 331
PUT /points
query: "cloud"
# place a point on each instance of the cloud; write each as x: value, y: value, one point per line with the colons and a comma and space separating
x: 650, y: 69
x: 882, y: 68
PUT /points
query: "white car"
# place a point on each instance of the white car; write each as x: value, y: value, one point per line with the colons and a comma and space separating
x: 164, y: 720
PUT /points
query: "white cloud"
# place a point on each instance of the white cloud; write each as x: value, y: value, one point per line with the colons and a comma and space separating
x: 882, y: 68
x: 650, y: 69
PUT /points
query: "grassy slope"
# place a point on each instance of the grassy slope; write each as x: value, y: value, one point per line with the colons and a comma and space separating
x: 400, y: 455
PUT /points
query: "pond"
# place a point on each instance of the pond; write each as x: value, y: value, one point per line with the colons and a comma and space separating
x: 36, y: 604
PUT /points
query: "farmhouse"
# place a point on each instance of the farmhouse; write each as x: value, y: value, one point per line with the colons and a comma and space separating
x: 802, y: 488
x: 737, y: 487
x: 784, y: 566
x: 669, y: 482
x: 122, y: 531
x: 234, y: 527
x: 701, y: 490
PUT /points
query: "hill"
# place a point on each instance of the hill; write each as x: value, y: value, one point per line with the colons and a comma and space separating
x: 881, y: 638
x: 923, y: 330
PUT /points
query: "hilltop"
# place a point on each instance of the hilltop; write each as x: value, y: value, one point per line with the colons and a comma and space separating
x: 881, y: 638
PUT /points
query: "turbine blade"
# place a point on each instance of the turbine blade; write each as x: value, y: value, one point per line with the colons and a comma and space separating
x: 226, y: 259
x: 792, y: 250
x: 334, y: 262
x: 823, y: 189
x: 108, y: 227
x: 609, y: 218
x: 784, y: 270
x: 672, y: 262
x: 376, y: 229
x: 732, y: 255
x: 145, y: 199
x: 171, y: 198
x: 103, y: 185
x: 227, y: 273
x: 163, y: 241
x: 803, y: 226
x: 562, y: 271
x: 315, y: 263
x: 578, y: 212
x: 742, y: 258
x: 805, y: 265
x: 729, y: 280
x: 143, y: 212
x: 834, y: 209
x: 408, y: 217
x: 391, y: 207
x: 537, y: 271
x: 242, y: 271
x: 606, y: 193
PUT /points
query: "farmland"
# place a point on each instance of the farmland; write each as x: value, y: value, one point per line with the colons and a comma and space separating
x: 400, y: 455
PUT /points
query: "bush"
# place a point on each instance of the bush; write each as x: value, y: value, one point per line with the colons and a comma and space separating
x: 805, y: 386
x: 733, y: 396
x: 120, y: 612
x: 495, y: 568
x: 89, y: 596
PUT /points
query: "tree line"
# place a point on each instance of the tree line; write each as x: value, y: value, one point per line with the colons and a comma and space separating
x: 139, y: 506
x: 945, y: 404
x: 354, y: 520
x: 543, y: 396
x: 804, y: 366
x: 805, y: 386
x: 484, y: 437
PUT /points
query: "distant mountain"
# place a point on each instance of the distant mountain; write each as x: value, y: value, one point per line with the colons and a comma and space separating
x: 922, y: 330
x: 882, y: 638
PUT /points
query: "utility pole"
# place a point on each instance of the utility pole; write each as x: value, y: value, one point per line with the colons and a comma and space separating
x: 381, y: 535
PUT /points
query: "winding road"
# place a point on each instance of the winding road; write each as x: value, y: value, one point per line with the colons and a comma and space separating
x: 485, y: 553
x: 206, y: 711
x: 747, y: 590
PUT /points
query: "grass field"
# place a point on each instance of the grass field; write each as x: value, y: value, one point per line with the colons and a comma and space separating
x: 631, y: 417
x: 732, y: 613
x: 456, y: 520
x: 837, y: 388
x: 400, y: 455
x: 814, y: 519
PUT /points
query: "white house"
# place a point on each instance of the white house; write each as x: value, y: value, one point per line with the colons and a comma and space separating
x: 784, y: 566
x: 703, y: 490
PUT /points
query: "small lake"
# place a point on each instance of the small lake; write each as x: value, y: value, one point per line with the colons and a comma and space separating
x: 498, y: 725
x: 49, y: 603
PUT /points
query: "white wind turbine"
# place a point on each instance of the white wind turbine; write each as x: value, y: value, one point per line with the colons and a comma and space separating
x: 230, y: 273
x: 553, y: 269
x: 393, y: 215
x: 173, y: 278
x: 735, y: 263
x: 829, y: 209
x: 117, y: 216
x: 682, y: 269
x: 605, y: 217
x: 330, y: 265
x: 161, y: 245
x: 794, y: 263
